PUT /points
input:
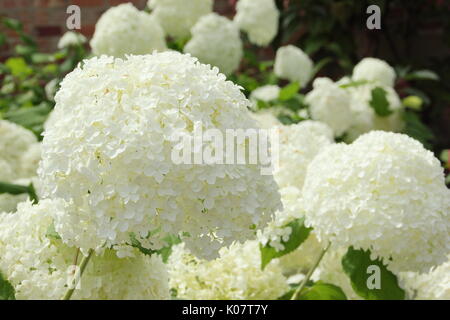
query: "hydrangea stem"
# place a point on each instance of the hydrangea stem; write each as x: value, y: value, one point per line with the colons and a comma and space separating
x: 309, y: 274
x: 83, y: 265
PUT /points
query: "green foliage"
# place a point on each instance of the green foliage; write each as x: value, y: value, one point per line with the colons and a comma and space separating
x: 322, y: 291
x: 289, y: 91
x: 7, y: 291
x: 379, y: 102
x: 165, y: 251
x: 299, y: 233
x: 16, y: 189
x: 415, y: 128
x: 32, y: 118
x: 355, y: 264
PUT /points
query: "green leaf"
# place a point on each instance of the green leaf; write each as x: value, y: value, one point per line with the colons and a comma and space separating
x: 7, y: 291
x: 354, y: 84
x: 164, y: 251
x: 379, y: 102
x: 12, y: 24
x: 31, y: 118
x: 299, y: 233
x: 445, y: 157
x: 13, y: 189
x: 322, y: 291
x: 422, y: 75
x: 51, y: 232
x: 355, y: 264
x: 18, y: 67
x: 2, y: 39
x: 289, y: 91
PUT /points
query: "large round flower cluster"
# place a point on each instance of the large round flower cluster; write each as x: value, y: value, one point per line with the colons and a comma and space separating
x: 70, y: 39
x: 126, y: 30
x: 177, y: 17
x: 384, y: 192
x: 216, y: 41
x: 235, y: 275
x: 434, y: 285
x: 39, y: 266
x: 373, y: 69
x: 292, y: 64
x: 110, y: 149
x: 266, y: 93
x: 259, y: 19
x: 330, y: 104
x: 298, y: 145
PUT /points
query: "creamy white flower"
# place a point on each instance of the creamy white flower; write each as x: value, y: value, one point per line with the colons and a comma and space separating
x: 125, y: 30
x: 373, y: 69
x: 14, y: 143
x: 235, y: 275
x: 38, y: 265
x: 292, y: 64
x: 259, y: 19
x: 216, y: 41
x: 298, y: 145
x: 265, y: 119
x: 434, y: 285
x: 177, y: 17
x: 384, y: 192
x: 303, y: 258
x: 266, y: 93
x: 71, y: 38
x: 330, y: 104
x: 110, y: 149
x: 6, y: 172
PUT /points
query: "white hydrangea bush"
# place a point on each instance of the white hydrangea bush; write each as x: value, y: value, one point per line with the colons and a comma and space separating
x: 259, y: 19
x: 39, y: 266
x: 125, y: 30
x: 216, y: 41
x: 385, y: 192
x: 71, y: 38
x: 235, y: 275
x: 109, y: 150
x: 177, y: 17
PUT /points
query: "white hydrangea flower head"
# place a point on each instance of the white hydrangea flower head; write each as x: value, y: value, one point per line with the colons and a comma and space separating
x: 373, y: 69
x: 292, y: 64
x: 125, y: 30
x: 235, y: 275
x: 14, y: 142
x: 216, y: 41
x: 265, y: 119
x: 38, y: 264
x: 330, y: 271
x: 71, y: 38
x: 385, y: 192
x: 110, y: 146
x: 365, y: 118
x: 298, y: 145
x: 259, y: 19
x: 434, y: 285
x: 266, y: 93
x: 330, y: 104
x: 29, y: 162
x: 177, y: 17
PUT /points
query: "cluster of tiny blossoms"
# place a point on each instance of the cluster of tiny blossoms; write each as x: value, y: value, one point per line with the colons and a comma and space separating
x: 259, y: 19
x: 216, y: 41
x: 39, y: 266
x: 235, y: 275
x: 109, y: 147
x: 126, y: 30
x: 177, y: 17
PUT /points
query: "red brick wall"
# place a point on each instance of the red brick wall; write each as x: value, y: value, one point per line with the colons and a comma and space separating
x: 46, y: 19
